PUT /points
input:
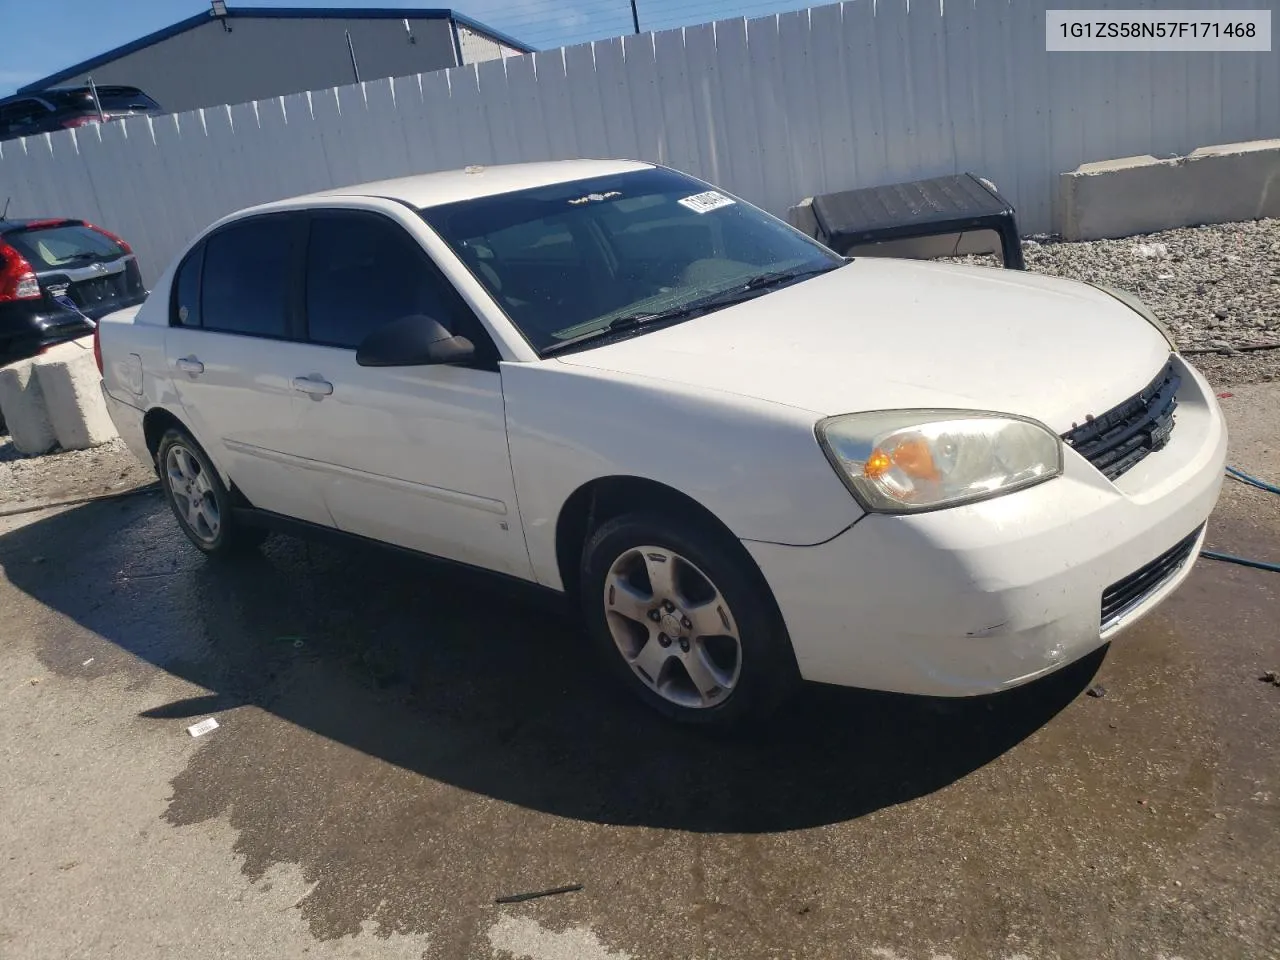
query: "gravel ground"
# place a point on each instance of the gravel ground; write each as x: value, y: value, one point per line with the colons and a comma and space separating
x: 109, y: 468
x: 1217, y: 288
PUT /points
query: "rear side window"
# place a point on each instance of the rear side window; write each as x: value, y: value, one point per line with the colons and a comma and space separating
x: 70, y: 245
x: 111, y: 98
x: 21, y: 116
x: 244, y: 286
x: 185, y: 309
x: 364, y: 270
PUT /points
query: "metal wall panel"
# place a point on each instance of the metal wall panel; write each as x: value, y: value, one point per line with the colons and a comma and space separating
x: 269, y: 56
x: 774, y: 109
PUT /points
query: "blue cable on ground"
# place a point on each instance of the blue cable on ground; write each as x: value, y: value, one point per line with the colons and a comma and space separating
x: 1243, y: 561
x: 1259, y: 564
x: 1252, y: 481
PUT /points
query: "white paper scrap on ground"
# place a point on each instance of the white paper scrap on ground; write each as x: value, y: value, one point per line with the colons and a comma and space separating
x: 203, y: 727
x: 87, y: 662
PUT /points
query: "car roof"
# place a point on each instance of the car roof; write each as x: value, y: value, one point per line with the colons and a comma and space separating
x: 433, y: 189
x: 15, y: 224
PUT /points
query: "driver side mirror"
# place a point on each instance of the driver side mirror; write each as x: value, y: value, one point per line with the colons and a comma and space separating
x: 413, y: 341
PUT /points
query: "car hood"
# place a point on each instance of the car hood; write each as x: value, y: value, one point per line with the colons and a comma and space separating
x: 888, y: 334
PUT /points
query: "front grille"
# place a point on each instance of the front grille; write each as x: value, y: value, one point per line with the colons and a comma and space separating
x: 1123, y: 595
x: 1124, y: 435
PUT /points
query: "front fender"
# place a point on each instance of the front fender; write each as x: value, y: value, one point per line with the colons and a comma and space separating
x: 755, y: 465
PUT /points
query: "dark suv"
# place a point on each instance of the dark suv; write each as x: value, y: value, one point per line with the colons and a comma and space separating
x: 54, y: 274
x: 49, y: 110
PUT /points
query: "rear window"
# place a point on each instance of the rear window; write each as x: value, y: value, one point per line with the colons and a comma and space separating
x: 70, y: 245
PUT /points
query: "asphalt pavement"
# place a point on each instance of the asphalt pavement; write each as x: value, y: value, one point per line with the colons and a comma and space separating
x: 398, y: 747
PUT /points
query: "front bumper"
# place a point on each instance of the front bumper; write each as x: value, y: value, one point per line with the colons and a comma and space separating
x: 983, y: 597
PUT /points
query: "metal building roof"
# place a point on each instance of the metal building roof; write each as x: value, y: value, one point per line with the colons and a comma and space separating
x: 273, y: 13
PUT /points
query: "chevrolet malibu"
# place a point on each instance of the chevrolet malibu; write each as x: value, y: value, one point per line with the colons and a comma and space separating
x: 747, y: 460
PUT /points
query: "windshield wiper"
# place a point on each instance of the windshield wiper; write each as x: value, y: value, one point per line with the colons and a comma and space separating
x: 630, y: 322
x: 767, y: 280
x: 735, y: 294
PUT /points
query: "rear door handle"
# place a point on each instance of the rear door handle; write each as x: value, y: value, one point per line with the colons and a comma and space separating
x: 313, y: 386
x: 190, y: 365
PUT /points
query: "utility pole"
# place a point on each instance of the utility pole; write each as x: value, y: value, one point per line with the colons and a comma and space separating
x: 635, y: 16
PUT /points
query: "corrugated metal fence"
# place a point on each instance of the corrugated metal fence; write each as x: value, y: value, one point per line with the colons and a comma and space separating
x: 775, y: 109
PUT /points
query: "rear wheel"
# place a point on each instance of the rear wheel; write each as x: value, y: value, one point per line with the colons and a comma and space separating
x: 198, y: 498
x: 685, y: 621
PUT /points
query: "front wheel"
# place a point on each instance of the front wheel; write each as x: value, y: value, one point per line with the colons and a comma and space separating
x: 199, y: 499
x: 685, y: 621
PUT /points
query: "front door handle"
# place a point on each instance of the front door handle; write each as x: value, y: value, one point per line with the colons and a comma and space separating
x: 313, y: 386
x: 190, y: 365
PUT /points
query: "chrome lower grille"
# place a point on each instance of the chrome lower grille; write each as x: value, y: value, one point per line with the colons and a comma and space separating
x: 1123, y: 595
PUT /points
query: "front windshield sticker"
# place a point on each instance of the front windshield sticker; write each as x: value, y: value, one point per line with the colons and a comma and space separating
x: 706, y: 202
x: 596, y: 198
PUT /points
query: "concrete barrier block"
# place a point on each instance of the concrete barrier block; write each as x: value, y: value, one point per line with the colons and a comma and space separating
x: 801, y: 217
x: 24, y: 409
x: 1215, y: 184
x: 73, y: 400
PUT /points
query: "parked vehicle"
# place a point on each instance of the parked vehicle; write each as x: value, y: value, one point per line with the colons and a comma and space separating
x: 49, y: 110
x: 55, y: 276
x: 747, y: 459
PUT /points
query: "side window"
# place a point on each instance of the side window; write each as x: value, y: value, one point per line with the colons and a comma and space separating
x: 184, y: 307
x: 21, y: 117
x: 364, y: 270
x: 248, y: 271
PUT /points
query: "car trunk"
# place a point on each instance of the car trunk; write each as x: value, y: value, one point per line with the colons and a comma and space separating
x: 71, y: 260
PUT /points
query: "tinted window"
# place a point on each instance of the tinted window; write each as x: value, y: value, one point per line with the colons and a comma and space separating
x: 65, y: 246
x: 111, y: 98
x: 246, y: 279
x: 186, y: 291
x: 21, y: 116
x: 364, y: 270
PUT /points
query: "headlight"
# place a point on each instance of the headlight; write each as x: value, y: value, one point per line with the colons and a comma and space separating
x: 1140, y: 308
x: 903, y: 461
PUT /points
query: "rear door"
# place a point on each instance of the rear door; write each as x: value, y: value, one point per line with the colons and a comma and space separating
x: 231, y: 347
x: 415, y: 456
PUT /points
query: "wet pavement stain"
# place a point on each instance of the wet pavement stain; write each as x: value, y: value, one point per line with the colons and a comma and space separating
x: 420, y: 744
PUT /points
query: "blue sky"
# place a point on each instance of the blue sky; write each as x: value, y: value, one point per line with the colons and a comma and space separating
x: 43, y: 36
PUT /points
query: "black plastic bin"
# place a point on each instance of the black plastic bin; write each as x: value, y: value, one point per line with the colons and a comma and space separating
x: 920, y: 208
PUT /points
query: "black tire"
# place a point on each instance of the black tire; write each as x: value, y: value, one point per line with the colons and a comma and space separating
x: 226, y: 537
x: 767, y: 674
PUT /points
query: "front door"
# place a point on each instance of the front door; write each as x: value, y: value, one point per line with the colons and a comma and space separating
x: 415, y: 456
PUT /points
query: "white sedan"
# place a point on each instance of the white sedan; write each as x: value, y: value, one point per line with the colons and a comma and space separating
x: 746, y: 459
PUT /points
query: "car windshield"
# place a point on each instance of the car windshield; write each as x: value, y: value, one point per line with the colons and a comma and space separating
x: 569, y: 261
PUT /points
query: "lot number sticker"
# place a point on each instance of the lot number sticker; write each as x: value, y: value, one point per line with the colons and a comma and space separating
x: 706, y: 202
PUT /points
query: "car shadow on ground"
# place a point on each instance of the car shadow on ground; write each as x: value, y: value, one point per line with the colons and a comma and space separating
x: 469, y: 683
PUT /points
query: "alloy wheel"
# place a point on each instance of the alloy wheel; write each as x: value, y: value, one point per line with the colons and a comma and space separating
x: 673, y: 627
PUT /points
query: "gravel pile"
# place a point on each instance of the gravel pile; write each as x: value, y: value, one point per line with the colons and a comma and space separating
x: 109, y: 468
x: 1216, y: 287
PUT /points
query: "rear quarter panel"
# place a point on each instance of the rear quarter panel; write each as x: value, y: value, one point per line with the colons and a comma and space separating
x: 755, y: 465
x: 135, y: 362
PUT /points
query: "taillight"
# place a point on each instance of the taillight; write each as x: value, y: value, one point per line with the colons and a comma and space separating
x: 97, y: 346
x: 17, y: 279
x: 111, y: 236
x: 72, y: 122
